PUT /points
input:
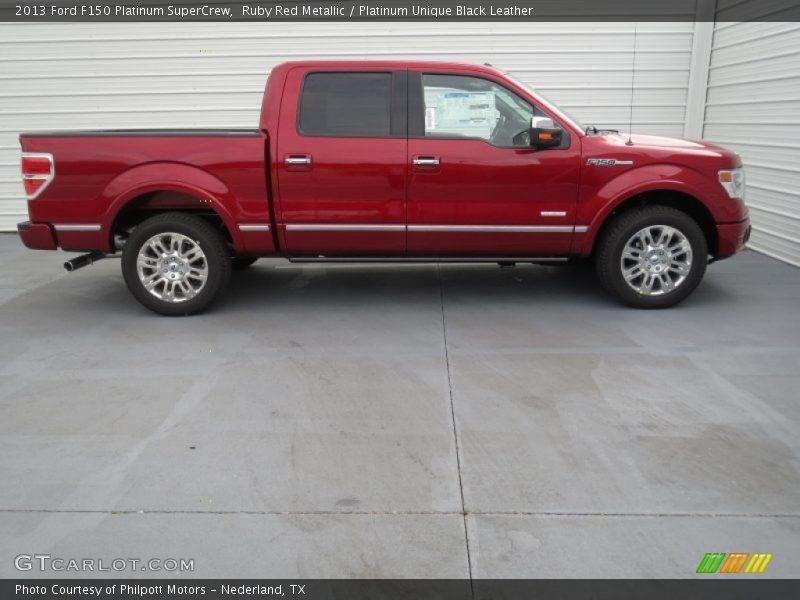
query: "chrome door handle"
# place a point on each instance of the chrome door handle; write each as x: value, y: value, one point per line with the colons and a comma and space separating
x: 298, y: 160
x: 426, y: 162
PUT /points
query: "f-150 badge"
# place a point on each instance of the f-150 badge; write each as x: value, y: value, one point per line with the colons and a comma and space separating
x: 607, y: 162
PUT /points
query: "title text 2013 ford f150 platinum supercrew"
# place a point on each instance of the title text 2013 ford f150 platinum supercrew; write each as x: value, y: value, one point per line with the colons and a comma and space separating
x: 390, y: 161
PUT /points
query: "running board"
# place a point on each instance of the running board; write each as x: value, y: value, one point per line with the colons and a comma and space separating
x: 427, y: 259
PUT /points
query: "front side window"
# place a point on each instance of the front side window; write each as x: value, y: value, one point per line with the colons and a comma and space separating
x: 471, y: 107
x: 346, y: 105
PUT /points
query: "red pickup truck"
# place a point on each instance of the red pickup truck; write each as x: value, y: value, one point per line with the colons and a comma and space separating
x: 386, y: 161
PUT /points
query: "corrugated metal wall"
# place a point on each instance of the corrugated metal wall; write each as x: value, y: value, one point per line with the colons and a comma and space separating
x: 753, y: 107
x: 72, y: 76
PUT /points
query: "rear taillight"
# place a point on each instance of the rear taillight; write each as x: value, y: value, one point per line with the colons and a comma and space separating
x: 38, y: 170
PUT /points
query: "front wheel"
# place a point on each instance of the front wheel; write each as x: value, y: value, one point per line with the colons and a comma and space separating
x: 652, y: 257
x: 176, y: 264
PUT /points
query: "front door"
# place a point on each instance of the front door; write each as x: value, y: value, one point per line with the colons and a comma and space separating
x: 476, y: 187
x: 342, y: 154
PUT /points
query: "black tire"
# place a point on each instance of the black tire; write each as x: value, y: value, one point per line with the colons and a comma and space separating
x: 240, y: 263
x: 215, y: 258
x: 609, y: 265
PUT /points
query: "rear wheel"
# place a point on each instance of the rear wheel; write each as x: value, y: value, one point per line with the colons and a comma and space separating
x: 176, y: 264
x: 652, y: 257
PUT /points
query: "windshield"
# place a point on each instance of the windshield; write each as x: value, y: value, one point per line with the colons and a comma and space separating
x: 560, y: 110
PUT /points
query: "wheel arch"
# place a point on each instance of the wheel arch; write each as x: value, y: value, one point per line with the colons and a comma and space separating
x: 143, y: 192
x: 674, y: 198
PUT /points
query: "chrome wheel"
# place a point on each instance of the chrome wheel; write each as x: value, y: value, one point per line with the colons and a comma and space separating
x: 656, y: 260
x: 172, y: 267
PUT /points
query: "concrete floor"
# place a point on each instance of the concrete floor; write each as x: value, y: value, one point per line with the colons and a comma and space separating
x: 329, y: 421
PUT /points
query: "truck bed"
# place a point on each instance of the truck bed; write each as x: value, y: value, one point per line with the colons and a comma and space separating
x: 99, y: 172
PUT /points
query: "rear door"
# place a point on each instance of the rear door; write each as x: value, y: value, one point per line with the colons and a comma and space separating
x: 342, y: 162
x: 476, y: 187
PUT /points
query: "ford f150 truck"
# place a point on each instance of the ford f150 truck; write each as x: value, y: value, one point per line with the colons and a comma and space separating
x: 386, y: 161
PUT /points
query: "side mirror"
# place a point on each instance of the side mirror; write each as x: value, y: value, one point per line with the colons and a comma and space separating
x: 545, y: 133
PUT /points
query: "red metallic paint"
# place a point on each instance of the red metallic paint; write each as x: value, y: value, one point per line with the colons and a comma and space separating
x: 38, y: 236
x: 81, y: 241
x: 658, y: 164
x: 479, y: 184
x: 96, y: 175
x: 732, y: 237
x: 357, y: 182
x: 370, y: 181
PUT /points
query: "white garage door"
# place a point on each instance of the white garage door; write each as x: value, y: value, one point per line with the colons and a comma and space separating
x: 75, y: 76
x: 753, y: 107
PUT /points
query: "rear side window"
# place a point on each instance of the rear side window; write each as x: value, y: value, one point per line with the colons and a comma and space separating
x: 346, y: 105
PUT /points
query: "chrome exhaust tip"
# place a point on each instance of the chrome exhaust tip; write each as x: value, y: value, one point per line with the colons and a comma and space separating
x: 73, y: 264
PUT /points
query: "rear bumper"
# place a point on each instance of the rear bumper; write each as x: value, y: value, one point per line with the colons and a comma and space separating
x: 38, y: 236
x: 732, y: 237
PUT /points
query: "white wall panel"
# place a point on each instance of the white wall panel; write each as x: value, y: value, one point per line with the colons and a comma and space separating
x: 753, y: 107
x: 112, y: 75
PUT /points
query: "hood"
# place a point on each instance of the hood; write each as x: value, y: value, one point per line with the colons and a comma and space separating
x: 659, y: 145
x: 670, y: 142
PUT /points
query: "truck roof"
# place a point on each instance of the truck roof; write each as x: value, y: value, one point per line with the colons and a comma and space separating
x: 391, y: 64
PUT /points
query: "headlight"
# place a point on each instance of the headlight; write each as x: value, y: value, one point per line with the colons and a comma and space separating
x: 733, y: 182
